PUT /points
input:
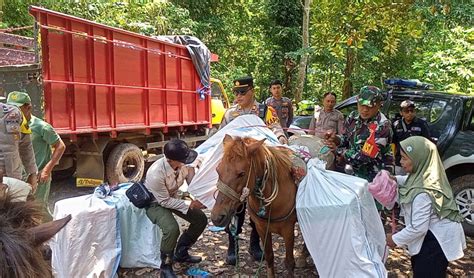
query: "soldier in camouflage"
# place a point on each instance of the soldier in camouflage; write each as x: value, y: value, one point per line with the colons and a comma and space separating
x: 246, y: 104
x: 366, y: 143
x: 282, y: 105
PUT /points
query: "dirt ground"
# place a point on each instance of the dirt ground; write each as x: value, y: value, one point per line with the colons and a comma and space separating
x: 212, y: 246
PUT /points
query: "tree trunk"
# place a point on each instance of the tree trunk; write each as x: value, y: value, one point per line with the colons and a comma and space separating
x: 304, y: 58
x: 347, y: 86
x: 287, y: 82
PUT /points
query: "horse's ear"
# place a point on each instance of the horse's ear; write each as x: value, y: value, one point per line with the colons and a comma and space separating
x: 43, y: 232
x: 253, y: 147
x: 227, y: 139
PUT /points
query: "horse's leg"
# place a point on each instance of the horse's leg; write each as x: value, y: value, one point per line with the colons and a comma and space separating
x: 289, y: 238
x: 268, y: 249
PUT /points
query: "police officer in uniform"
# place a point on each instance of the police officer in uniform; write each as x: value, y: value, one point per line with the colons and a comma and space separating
x: 365, y: 143
x: 408, y: 125
x: 282, y: 105
x: 16, y: 149
x: 246, y: 104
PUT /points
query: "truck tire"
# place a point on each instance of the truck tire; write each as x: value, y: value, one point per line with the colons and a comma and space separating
x: 463, y: 190
x: 125, y: 163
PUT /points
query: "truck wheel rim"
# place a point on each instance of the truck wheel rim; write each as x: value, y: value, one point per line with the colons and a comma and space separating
x: 130, y: 167
x: 465, y: 202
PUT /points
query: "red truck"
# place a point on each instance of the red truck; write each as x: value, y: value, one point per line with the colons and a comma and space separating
x: 116, y: 97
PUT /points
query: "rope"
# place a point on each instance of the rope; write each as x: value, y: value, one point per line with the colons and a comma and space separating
x: 12, y: 29
x: 264, y: 244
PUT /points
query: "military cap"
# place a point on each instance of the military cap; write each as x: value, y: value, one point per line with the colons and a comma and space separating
x: 407, y: 103
x: 369, y: 95
x: 243, y: 84
x: 18, y: 98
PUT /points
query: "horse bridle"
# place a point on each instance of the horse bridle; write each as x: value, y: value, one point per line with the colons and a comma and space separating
x: 241, y: 198
x: 229, y: 192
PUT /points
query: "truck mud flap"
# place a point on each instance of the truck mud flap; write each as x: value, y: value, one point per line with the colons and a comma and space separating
x: 90, y: 163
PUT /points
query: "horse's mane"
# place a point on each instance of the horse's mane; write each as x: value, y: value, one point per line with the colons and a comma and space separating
x: 18, y: 255
x: 236, y: 150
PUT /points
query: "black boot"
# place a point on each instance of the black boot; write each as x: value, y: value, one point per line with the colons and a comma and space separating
x: 231, y: 258
x: 181, y: 254
x: 166, y: 268
x: 255, y: 249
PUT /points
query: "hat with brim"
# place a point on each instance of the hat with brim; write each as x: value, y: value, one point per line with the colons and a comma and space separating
x: 18, y: 98
x: 178, y: 150
x: 369, y: 96
x: 242, y: 84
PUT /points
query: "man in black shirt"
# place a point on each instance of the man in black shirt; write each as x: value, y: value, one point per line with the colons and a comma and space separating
x: 408, y: 125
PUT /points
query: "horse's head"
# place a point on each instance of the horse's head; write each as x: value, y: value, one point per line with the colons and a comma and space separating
x: 235, y: 172
x: 21, y: 238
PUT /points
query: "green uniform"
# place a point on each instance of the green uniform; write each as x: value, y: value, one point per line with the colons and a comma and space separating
x: 43, y: 137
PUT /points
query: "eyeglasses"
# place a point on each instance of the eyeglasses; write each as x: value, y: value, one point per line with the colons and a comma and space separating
x: 408, y: 110
x: 236, y: 93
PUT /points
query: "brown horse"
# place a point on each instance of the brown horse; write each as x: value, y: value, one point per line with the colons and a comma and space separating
x: 21, y: 238
x: 249, y: 168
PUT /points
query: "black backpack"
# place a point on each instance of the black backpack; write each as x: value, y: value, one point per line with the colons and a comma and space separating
x: 139, y: 195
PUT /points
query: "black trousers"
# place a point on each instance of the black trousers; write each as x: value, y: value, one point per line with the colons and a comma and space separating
x: 431, y: 261
x: 240, y: 219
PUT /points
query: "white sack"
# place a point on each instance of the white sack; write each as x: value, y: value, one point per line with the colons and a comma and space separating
x: 340, y: 224
x: 89, y: 245
x: 203, y: 185
x: 140, y: 237
x: 101, y: 234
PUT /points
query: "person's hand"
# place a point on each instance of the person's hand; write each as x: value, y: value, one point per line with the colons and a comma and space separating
x: 390, y: 242
x: 282, y: 139
x: 195, y: 204
x: 33, y: 181
x: 44, y: 175
x: 331, y: 140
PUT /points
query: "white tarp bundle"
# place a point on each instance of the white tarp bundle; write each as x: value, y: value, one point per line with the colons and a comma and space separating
x: 203, y: 185
x: 102, y: 234
x: 340, y: 224
x: 89, y: 245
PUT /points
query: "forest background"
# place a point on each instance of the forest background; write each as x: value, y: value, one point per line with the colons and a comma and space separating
x: 312, y: 46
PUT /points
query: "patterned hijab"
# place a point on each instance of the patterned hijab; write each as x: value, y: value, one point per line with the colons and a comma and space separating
x: 428, y: 176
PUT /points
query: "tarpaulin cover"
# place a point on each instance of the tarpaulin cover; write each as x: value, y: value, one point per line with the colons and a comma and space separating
x: 203, y: 185
x: 200, y: 55
x: 102, y: 234
x: 340, y: 224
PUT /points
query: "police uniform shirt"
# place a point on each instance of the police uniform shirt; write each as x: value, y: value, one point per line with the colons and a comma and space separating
x: 16, y: 148
x: 402, y: 131
x: 284, y: 109
x: 324, y: 121
x: 270, y: 117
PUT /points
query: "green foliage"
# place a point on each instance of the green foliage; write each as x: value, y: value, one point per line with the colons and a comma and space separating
x: 449, y: 65
x: 360, y: 42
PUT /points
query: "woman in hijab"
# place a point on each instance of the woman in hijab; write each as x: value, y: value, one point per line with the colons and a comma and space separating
x: 433, y: 234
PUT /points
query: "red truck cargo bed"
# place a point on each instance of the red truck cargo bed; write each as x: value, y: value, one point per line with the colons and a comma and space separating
x: 103, y: 79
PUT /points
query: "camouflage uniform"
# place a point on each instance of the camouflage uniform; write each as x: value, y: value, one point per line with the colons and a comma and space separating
x: 15, y: 143
x: 284, y: 109
x: 270, y: 118
x: 365, y: 153
x: 357, y: 132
